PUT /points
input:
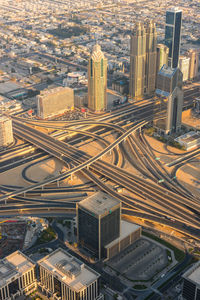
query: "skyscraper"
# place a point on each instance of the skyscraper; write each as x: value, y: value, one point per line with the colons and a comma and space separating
x: 151, y: 45
x: 194, y: 63
x: 6, y: 131
x: 97, y: 80
x: 173, y: 35
x: 162, y: 56
x: 100, y: 228
x: 143, y: 59
x: 98, y: 222
x: 137, y: 61
x: 184, y: 65
x: 169, y: 91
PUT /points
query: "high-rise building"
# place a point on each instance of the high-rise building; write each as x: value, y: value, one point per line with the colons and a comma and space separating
x: 143, y: 59
x: 97, y: 80
x: 173, y: 35
x: 151, y: 55
x: 99, y: 226
x: 6, y: 131
x: 184, y: 65
x: 162, y: 56
x: 63, y: 276
x: 194, y: 63
x: 17, y: 276
x: 191, y: 283
x: 98, y: 222
x: 137, y: 61
x: 169, y: 91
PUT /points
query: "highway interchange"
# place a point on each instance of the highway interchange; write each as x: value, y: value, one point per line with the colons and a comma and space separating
x: 166, y: 203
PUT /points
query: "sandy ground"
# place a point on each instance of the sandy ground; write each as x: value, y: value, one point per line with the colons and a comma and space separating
x: 191, y: 121
x: 189, y: 176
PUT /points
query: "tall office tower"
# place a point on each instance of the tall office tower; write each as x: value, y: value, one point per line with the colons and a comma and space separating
x: 194, y: 63
x: 191, y: 283
x: 184, y: 65
x: 6, y: 132
x: 97, y: 80
x: 169, y: 91
x: 100, y: 228
x: 98, y: 222
x: 137, y: 61
x: 162, y: 56
x: 173, y: 35
x: 151, y: 55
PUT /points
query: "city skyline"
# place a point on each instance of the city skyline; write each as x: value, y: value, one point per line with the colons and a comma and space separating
x: 99, y: 150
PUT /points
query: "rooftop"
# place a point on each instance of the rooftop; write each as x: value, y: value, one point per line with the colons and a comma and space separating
x: 193, y: 274
x: 99, y: 203
x: 167, y: 71
x: 174, y: 9
x: 12, y: 265
x: 69, y: 269
x: 189, y: 137
x: 126, y: 229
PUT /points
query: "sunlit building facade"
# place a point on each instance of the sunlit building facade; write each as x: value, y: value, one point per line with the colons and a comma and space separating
x: 143, y: 59
x: 162, y: 56
x: 97, y: 80
x: 170, y: 100
x: 194, y: 63
x: 17, y: 276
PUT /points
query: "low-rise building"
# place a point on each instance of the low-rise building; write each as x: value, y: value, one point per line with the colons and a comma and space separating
x: 189, y: 140
x: 17, y: 276
x: 54, y: 102
x: 63, y: 276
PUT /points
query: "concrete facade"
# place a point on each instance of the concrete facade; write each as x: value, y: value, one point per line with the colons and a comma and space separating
x: 170, y: 94
x: 194, y: 63
x: 162, y: 56
x: 54, y: 102
x: 63, y: 276
x: 6, y: 132
x: 184, y: 65
x: 143, y: 59
x: 17, y: 276
x: 97, y: 80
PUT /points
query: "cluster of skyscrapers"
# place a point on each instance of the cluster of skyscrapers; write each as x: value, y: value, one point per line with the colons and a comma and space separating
x: 143, y: 59
x: 153, y: 68
x: 147, y: 58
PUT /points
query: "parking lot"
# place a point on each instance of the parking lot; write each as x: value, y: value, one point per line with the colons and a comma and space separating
x: 140, y: 261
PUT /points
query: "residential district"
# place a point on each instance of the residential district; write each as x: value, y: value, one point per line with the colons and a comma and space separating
x: 99, y: 150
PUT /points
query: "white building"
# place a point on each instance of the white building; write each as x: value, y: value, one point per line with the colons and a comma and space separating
x: 184, y: 65
x: 17, y: 276
x: 74, y: 77
x: 189, y: 140
x: 6, y: 132
x: 63, y: 276
x: 52, y: 102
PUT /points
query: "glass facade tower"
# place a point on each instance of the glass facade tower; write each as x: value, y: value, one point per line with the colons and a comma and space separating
x: 173, y: 35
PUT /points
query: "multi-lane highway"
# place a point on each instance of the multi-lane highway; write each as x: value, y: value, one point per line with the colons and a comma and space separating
x: 167, y: 202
